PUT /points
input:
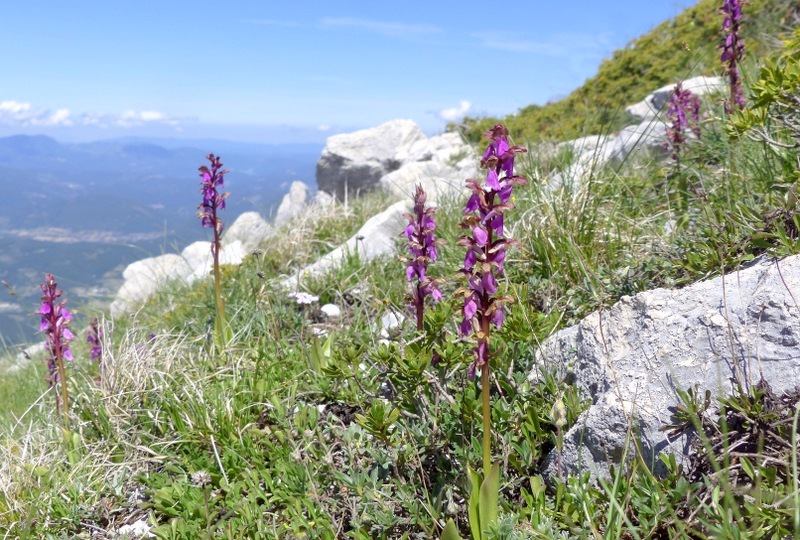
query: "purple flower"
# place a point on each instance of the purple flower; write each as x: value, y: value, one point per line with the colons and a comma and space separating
x: 94, y: 337
x: 213, y: 200
x: 733, y: 51
x: 54, y: 320
x: 422, y: 244
x: 485, y: 246
x: 683, y: 112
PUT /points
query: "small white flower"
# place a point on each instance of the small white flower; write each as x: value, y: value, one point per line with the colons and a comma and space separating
x: 303, y: 298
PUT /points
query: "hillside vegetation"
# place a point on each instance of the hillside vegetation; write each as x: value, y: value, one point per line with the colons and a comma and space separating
x: 677, y: 49
x: 289, y: 424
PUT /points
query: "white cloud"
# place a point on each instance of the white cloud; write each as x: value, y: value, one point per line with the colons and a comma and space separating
x: 23, y: 114
x: 132, y: 118
x: 385, y: 28
x: 128, y: 118
x: 324, y: 127
x: 456, y: 113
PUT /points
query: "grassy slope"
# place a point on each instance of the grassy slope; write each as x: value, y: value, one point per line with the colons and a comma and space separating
x: 275, y: 421
x: 677, y: 49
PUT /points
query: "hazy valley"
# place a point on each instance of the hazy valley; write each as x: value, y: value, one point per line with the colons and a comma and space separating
x: 84, y: 211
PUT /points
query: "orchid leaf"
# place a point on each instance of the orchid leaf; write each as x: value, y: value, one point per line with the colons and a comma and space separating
x: 489, y: 494
x: 450, y: 531
x: 474, y: 500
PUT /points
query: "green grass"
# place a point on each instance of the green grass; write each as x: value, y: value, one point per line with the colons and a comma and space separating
x: 313, y: 428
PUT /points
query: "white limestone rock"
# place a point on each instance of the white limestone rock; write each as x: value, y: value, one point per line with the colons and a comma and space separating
x: 249, y: 228
x: 355, y: 162
x: 331, y: 311
x: 630, y: 359
x: 293, y: 203
x: 654, y: 104
x: 378, y: 236
x: 145, y: 277
x: 198, y: 256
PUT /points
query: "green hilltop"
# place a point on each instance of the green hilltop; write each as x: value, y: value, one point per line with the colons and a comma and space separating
x: 677, y: 49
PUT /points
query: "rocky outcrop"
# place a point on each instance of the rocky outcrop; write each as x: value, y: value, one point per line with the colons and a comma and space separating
x: 654, y: 104
x: 588, y: 154
x: 293, y: 203
x: 395, y: 156
x: 440, y: 164
x: 648, y: 137
x: 376, y: 237
x: 144, y: 278
x: 629, y: 360
x: 249, y: 228
x: 352, y: 163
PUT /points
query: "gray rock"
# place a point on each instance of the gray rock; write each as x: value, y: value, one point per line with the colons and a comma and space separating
x: 355, y: 162
x: 648, y: 136
x: 630, y: 359
x: 654, y: 104
x: 145, y: 277
x: 293, y: 203
x: 198, y: 256
x: 378, y: 236
x: 436, y: 178
x: 441, y: 164
x: 250, y: 229
x: 323, y: 200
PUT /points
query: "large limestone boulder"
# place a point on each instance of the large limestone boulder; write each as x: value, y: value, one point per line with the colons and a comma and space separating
x: 588, y: 154
x: 629, y: 360
x: 650, y: 136
x: 249, y: 229
x: 355, y: 162
x: 441, y: 164
x: 198, y: 256
x: 650, y: 107
x: 378, y: 236
x: 145, y: 277
x: 293, y: 203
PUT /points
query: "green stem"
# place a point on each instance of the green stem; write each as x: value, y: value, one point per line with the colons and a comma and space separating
x: 487, y: 421
x: 220, y: 320
x: 62, y: 374
x: 420, y: 308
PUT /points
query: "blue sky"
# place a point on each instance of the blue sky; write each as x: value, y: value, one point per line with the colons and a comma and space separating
x: 266, y: 71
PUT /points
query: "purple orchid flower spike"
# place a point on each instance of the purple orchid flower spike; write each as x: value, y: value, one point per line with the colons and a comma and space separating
x: 683, y: 111
x: 55, y: 318
x: 733, y: 52
x: 94, y: 337
x: 213, y: 178
x: 486, y: 246
x: 422, y: 244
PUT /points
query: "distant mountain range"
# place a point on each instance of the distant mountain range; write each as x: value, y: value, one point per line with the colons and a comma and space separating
x: 84, y: 211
